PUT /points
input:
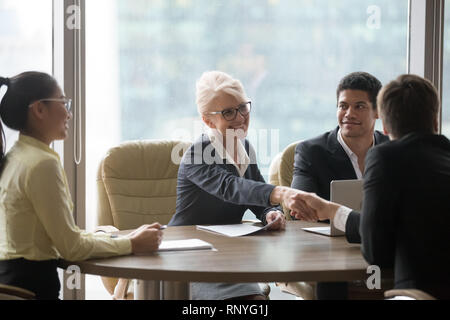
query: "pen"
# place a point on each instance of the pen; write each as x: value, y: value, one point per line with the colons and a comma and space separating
x: 114, y: 236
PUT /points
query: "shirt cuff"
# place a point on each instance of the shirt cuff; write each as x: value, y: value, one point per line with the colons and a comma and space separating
x: 124, y: 245
x: 340, y: 218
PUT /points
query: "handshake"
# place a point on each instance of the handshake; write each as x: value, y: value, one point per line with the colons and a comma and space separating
x: 303, y: 205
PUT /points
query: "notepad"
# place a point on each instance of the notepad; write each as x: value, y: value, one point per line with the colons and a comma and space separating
x: 184, y: 245
x: 236, y: 230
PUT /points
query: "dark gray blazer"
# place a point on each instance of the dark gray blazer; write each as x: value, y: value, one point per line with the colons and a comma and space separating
x: 210, y: 191
x: 406, y: 212
x: 320, y: 160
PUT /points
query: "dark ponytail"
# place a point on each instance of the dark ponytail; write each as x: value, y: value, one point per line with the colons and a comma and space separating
x: 3, y: 82
x: 22, y: 90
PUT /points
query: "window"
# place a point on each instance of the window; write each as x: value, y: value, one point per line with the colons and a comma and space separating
x: 26, y: 42
x: 143, y: 59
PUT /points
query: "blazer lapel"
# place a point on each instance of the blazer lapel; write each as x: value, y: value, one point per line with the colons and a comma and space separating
x: 339, y: 164
x: 220, y: 160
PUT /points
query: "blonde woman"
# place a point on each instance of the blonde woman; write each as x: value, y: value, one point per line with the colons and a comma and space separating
x: 219, y: 179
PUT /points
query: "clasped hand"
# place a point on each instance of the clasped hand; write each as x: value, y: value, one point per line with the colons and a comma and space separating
x: 310, y: 207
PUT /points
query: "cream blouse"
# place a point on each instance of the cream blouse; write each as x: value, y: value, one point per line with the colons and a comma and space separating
x: 36, y: 221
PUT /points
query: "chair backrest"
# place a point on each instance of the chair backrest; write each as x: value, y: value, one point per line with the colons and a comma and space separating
x: 281, y: 170
x: 286, y: 170
x: 274, y: 170
x: 137, y: 181
x: 282, y: 167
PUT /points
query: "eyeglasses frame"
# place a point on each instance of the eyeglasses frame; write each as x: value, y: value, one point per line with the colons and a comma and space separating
x: 234, y: 109
x: 67, y: 102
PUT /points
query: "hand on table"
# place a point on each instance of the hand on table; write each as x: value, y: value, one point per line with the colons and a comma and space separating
x: 279, y: 218
x: 146, y: 238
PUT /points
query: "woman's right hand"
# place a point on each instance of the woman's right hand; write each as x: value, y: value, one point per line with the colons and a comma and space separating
x: 146, y: 238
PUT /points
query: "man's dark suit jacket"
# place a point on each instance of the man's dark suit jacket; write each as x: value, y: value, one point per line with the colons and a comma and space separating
x: 321, y: 160
x: 405, y: 220
x: 317, y: 162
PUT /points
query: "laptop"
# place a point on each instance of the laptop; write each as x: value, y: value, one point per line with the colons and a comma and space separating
x: 345, y: 192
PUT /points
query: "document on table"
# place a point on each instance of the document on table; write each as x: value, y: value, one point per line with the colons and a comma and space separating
x: 236, y: 230
x: 184, y: 245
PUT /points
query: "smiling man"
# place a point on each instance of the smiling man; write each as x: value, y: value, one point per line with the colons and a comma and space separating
x: 340, y: 154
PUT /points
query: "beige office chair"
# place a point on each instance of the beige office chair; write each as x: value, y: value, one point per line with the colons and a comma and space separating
x: 407, y: 294
x: 274, y: 170
x: 136, y: 184
x: 280, y: 174
x: 15, y: 293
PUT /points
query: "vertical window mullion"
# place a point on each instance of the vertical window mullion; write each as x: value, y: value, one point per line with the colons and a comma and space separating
x: 426, y: 41
x: 69, y: 69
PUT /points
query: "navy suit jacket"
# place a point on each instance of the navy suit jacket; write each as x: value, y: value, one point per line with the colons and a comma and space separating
x: 210, y: 191
x: 406, y: 212
x: 320, y: 160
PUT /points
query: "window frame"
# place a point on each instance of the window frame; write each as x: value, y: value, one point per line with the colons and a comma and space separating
x: 426, y: 42
x: 69, y: 69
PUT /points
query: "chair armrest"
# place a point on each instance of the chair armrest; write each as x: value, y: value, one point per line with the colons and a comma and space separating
x: 106, y: 229
x: 17, y: 292
x: 410, y: 293
x: 304, y: 290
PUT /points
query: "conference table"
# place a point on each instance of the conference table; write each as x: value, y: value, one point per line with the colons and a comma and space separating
x: 268, y: 256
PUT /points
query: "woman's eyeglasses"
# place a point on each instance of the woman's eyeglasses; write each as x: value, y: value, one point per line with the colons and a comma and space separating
x: 231, y: 114
x: 67, y: 102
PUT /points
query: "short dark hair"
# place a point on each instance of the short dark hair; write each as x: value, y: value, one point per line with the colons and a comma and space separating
x: 409, y: 104
x: 361, y: 81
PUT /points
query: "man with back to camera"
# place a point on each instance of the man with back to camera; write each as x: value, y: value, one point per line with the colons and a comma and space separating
x: 340, y: 154
x: 404, y: 219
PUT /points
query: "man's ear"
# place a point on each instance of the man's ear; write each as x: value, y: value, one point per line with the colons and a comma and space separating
x: 387, y: 133
x: 385, y: 130
x: 208, y: 122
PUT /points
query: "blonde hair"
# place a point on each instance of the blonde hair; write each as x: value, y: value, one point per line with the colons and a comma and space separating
x: 213, y: 83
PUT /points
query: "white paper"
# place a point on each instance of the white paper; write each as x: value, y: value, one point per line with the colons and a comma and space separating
x: 236, y: 230
x: 184, y: 245
x: 317, y: 229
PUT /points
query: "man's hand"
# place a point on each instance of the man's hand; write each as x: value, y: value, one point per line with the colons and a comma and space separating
x: 323, y: 209
x: 287, y: 197
x: 280, y: 223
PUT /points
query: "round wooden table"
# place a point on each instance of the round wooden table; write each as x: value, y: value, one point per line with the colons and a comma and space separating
x: 269, y: 256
